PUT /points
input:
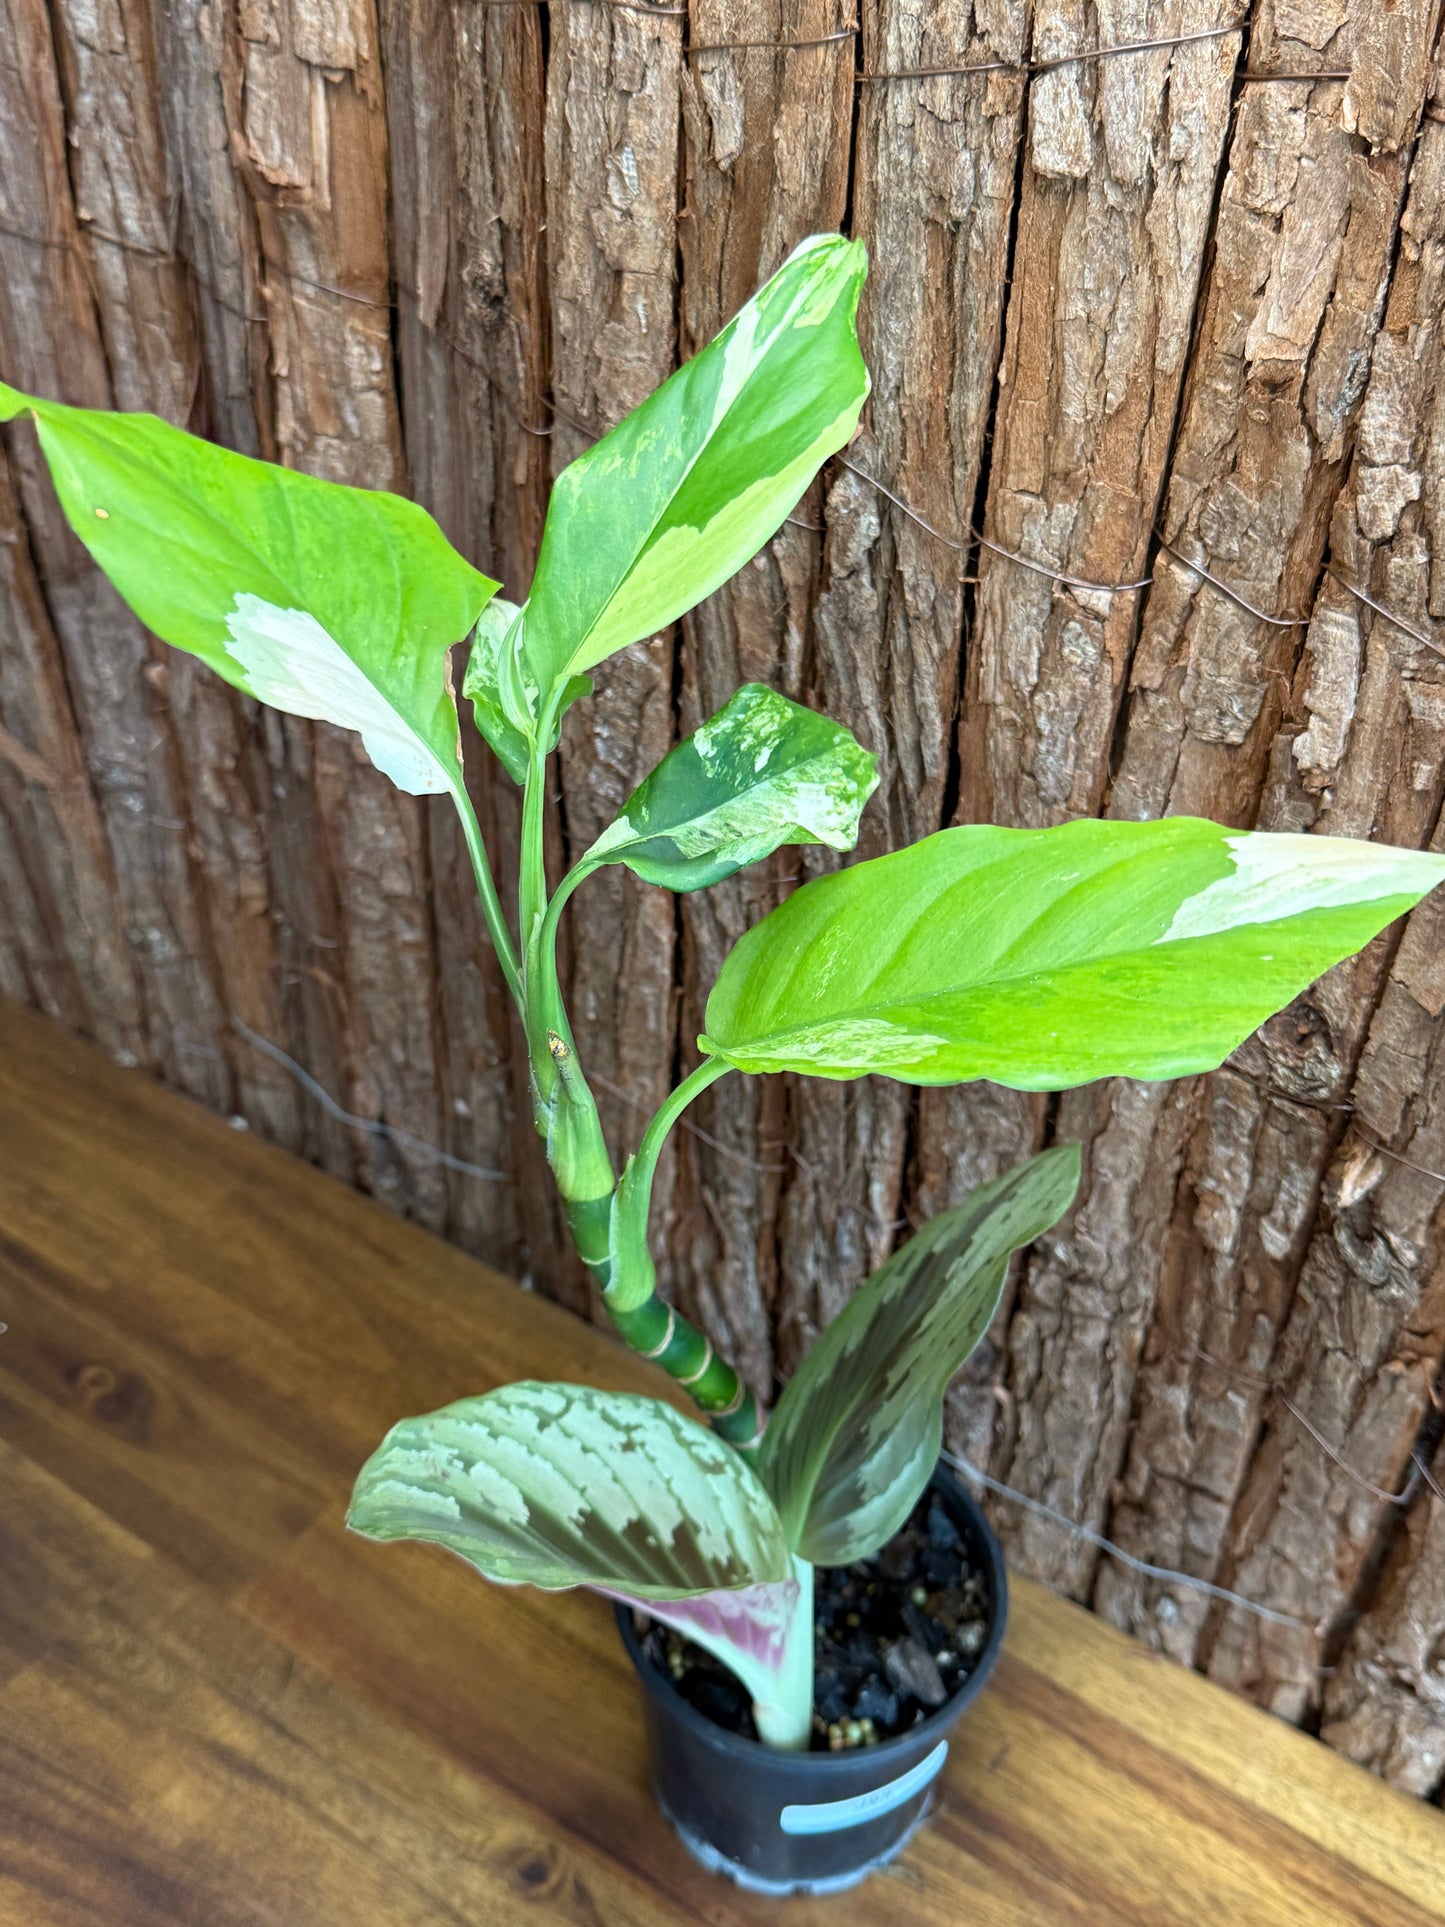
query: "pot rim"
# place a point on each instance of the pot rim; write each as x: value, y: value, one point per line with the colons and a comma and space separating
x: 745, y: 1752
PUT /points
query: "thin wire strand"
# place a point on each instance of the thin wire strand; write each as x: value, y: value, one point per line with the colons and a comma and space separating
x: 1380, y: 610
x: 1087, y: 1533
x: 948, y: 541
x: 777, y: 46
x: 1122, y: 588
x: 1023, y: 68
x: 620, y: 6
x: 1399, y: 1157
x: 1350, y: 1471
x: 1275, y: 622
x: 32, y: 767
x: 372, y: 1125
x: 1057, y: 575
x: 1276, y: 1390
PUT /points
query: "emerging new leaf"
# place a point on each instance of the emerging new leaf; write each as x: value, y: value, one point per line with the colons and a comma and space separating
x: 1047, y: 958
x: 676, y: 498
x: 502, y: 692
x: 763, y: 772
x: 329, y: 602
x: 493, y: 685
x: 561, y: 1485
x: 857, y: 1433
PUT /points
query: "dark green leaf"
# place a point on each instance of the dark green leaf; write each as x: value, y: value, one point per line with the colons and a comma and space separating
x: 857, y: 1433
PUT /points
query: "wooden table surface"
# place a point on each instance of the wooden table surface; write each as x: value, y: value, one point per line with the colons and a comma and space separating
x: 217, y: 1708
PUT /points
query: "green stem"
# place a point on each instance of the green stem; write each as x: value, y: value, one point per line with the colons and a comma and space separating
x: 532, y: 882
x: 605, y: 1220
x: 563, y: 1107
x: 655, y: 1330
x: 649, y: 1325
x: 487, y: 890
x: 783, y: 1706
x: 546, y: 946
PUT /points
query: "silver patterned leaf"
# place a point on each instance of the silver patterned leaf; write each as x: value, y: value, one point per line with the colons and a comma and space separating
x: 558, y: 1485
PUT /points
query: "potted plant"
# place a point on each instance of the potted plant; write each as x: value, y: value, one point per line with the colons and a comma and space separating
x: 1040, y: 959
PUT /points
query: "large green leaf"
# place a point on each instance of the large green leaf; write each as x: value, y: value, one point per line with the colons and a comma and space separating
x: 561, y: 1485
x: 675, y: 499
x: 857, y: 1433
x: 761, y: 773
x: 330, y: 602
x: 1048, y: 958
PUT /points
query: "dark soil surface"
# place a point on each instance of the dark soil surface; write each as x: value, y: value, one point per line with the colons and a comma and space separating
x: 896, y: 1636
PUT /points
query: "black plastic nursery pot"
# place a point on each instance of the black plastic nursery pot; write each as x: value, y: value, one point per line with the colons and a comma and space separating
x: 779, y: 1822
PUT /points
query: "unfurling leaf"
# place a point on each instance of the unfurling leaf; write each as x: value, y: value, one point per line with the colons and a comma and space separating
x: 763, y: 772
x: 492, y: 684
x: 561, y: 1485
x: 329, y: 602
x: 501, y: 690
x: 857, y: 1433
x: 677, y: 496
x: 1047, y: 958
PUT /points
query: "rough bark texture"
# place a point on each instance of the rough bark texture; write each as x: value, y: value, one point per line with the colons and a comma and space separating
x: 1124, y: 316
x: 1385, y: 1705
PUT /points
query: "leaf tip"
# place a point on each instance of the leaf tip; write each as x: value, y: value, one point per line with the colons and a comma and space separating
x: 13, y: 404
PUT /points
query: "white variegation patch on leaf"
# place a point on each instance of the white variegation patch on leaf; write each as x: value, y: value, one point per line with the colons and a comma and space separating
x: 857, y: 1432
x: 674, y: 499
x: 1044, y: 959
x: 761, y: 773
x: 290, y: 662
x: 560, y: 1485
x: 1276, y: 876
x: 329, y: 602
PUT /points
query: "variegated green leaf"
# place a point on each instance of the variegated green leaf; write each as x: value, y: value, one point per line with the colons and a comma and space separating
x: 763, y: 772
x: 329, y: 602
x: 561, y: 1485
x: 1048, y: 958
x: 675, y: 499
x: 857, y: 1433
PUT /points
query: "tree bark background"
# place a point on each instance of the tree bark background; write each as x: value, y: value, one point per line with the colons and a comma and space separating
x: 1125, y: 315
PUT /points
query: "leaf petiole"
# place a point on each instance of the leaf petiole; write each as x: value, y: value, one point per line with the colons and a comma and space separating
x: 487, y: 891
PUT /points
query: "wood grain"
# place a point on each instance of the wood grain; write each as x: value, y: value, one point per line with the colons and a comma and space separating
x: 218, y: 1710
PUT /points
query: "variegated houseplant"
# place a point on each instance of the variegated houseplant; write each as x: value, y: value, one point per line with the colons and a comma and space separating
x: 1040, y: 959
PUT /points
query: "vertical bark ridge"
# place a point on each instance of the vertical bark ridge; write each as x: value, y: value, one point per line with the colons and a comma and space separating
x: 1359, y: 754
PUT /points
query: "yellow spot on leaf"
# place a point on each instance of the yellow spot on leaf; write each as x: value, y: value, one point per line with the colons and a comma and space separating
x: 103, y: 514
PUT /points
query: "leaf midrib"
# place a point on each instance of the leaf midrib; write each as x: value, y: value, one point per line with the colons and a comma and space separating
x: 881, y: 1008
